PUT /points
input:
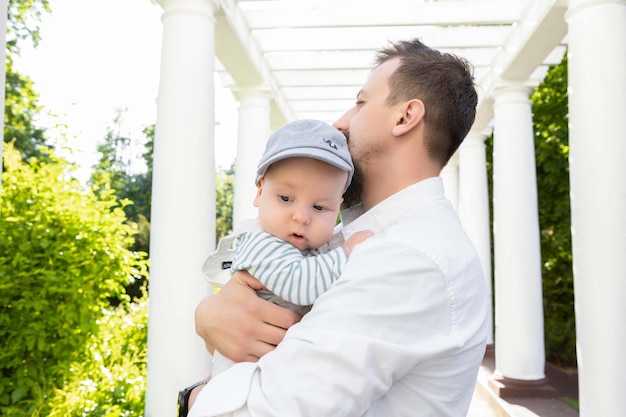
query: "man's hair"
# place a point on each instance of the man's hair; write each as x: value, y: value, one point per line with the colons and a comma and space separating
x: 444, y: 83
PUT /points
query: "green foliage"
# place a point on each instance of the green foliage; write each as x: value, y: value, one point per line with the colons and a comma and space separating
x: 112, y: 379
x: 23, y: 17
x: 21, y: 109
x: 21, y: 106
x: 224, y: 191
x: 550, y: 118
x: 63, y: 256
x: 115, y: 169
x: 148, y: 132
x: 575, y: 404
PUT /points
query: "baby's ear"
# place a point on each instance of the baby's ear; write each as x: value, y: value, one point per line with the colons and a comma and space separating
x: 259, y: 190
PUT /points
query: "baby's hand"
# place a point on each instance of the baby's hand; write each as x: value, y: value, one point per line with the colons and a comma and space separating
x: 355, y: 239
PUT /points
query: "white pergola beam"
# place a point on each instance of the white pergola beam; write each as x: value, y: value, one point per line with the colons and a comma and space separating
x: 539, y: 31
x: 319, y: 14
x: 373, y: 38
x: 242, y: 58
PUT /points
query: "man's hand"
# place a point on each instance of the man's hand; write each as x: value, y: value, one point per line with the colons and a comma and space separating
x: 239, y: 324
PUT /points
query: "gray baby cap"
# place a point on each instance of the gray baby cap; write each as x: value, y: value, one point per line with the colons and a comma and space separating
x: 309, y: 139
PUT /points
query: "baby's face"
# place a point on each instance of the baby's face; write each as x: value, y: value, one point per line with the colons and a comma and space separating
x: 299, y: 201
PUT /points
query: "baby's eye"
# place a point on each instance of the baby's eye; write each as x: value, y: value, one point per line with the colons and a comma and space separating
x: 318, y: 207
x: 284, y: 198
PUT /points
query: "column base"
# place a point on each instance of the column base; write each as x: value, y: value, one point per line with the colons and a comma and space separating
x: 517, y: 388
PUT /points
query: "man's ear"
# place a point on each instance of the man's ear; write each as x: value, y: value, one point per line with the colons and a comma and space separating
x: 412, y: 115
x: 259, y: 190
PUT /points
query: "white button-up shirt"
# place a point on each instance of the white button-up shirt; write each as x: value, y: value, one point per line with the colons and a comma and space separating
x: 401, y: 333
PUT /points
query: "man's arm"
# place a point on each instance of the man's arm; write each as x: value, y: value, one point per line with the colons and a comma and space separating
x: 363, y: 335
x: 239, y: 324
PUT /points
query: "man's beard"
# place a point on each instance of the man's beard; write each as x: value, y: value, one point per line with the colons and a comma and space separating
x: 352, y: 196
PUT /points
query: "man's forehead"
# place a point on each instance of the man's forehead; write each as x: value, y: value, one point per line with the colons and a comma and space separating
x: 380, y: 75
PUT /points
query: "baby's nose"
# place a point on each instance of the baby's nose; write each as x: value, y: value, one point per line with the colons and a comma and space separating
x: 301, y: 215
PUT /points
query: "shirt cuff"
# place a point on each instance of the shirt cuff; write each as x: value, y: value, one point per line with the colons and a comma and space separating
x: 226, y: 392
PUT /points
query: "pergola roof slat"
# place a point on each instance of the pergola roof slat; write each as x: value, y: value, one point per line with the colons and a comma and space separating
x: 315, y: 55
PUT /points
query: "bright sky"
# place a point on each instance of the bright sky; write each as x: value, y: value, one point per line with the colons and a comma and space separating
x: 97, y: 56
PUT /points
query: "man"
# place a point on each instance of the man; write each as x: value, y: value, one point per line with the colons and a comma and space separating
x: 403, y: 330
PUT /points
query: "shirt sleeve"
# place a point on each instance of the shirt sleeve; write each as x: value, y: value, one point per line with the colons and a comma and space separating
x: 286, y: 271
x: 388, y: 314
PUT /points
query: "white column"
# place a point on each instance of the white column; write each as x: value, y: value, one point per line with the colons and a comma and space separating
x: 474, y: 206
x: 450, y: 176
x: 253, y: 131
x: 183, y: 202
x: 597, y: 130
x: 519, y: 343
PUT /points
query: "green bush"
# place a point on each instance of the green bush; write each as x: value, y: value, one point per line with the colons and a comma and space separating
x: 63, y: 258
x: 550, y: 124
x: 111, y: 381
x: 224, y: 191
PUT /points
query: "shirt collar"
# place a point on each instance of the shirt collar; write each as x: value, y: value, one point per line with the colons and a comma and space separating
x: 389, y: 210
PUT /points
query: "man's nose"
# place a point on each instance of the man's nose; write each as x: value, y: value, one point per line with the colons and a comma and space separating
x: 343, y: 123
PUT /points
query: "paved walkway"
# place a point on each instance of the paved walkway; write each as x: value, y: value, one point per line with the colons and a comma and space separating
x: 486, y: 403
x: 479, y: 407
